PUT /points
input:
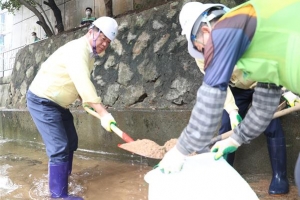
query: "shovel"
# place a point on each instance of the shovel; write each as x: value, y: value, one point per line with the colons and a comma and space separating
x: 139, y: 146
x: 150, y: 149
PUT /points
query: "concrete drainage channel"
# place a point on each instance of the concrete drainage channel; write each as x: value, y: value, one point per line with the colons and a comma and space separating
x: 156, y: 125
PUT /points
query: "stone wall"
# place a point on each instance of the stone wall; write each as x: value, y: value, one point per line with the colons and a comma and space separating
x: 4, y: 88
x: 146, y: 66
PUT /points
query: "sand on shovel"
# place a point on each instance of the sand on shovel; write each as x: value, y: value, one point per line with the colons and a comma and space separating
x: 148, y: 148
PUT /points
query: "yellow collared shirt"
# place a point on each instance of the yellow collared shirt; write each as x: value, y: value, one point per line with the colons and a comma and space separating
x: 66, y: 74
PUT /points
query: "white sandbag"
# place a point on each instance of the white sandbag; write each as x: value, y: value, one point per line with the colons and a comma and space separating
x: 200, y: 178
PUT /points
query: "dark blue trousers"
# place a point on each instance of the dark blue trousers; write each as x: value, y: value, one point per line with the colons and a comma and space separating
x: 243, y: 99
x: 55, y: 125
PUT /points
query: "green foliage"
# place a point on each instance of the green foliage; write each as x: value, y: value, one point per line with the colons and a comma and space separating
x: 14, y: 5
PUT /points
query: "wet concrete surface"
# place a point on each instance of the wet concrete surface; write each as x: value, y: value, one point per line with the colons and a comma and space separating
x: 23, y: 175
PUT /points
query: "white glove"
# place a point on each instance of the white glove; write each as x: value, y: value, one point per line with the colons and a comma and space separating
x: 172, y: 161
x: 225, y: 147
x: 235, y: 118
x: 106, y: 121
x: 291, y: 98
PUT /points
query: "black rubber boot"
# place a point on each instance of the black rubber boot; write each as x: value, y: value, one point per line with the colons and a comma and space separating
x: 277, y: 152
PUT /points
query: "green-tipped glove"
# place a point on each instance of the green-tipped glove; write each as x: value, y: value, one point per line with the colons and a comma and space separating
x: 291, y: 98
x: 172, y: 161
x: 235, y: 118
x: 225, y: 147
x: 106, y: 121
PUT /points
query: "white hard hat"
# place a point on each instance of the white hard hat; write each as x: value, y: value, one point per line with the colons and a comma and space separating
x: 108, y: 26
x: 189, y: 15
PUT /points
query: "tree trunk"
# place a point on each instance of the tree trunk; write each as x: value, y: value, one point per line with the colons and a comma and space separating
x: 41, y: 18
x: 50, y: 25
x: 57, y: 14
x: 108, y: 7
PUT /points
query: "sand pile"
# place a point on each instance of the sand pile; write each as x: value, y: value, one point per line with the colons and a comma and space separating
x: 170, y: 144
x: 148, y: 148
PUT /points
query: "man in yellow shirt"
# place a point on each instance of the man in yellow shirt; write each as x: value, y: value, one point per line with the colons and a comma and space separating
x: 64, y: 77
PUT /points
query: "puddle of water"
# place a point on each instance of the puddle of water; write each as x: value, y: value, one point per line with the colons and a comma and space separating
x: 24, y: 175
x: 6, y: 185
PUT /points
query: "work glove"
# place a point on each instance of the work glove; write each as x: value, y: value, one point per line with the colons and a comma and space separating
x: 235, y: 118
x: 291, y: 98
x: 106, y: 121
x: 225, y: 147
x: 172, y: 161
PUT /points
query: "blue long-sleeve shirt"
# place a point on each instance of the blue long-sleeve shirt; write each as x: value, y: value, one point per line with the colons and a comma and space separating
x: 229, y: 40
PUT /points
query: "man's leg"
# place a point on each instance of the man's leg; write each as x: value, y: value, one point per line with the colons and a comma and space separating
x: 277, y: 154
x: 225, y: 126
x: 47, y: 117
x: 243, y: 99
x: 72, y: 136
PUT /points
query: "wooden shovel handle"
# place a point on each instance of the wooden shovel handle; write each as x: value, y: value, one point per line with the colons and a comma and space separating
x: 113, y: 127
x: 276, y: 115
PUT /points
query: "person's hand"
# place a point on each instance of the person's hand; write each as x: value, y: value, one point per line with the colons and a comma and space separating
x: 106, y: 121
x: 225, y: 147
x: 291, y: 98
x: 235, y: 118
x: 172, y: 161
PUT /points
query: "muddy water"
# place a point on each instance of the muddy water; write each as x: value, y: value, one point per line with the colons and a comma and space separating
x: 23, y: 175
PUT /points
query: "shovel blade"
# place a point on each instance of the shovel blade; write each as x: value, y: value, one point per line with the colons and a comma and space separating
x: 144, y: 147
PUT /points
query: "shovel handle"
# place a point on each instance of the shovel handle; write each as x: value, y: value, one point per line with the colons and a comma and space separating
x: 113, y: 127
x: 121, y: 133
x: 276, y: 115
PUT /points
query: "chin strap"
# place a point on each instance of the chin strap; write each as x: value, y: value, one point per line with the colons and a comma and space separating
x: 94, y: 43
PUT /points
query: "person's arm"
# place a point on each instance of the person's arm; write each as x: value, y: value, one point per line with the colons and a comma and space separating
x: 99, y: 108
x: 203, y: 122
x: 266, y: 98
x: 230, y: 44
x: 229, y: 105
x: 106, y: 118
x: 78, y: 66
